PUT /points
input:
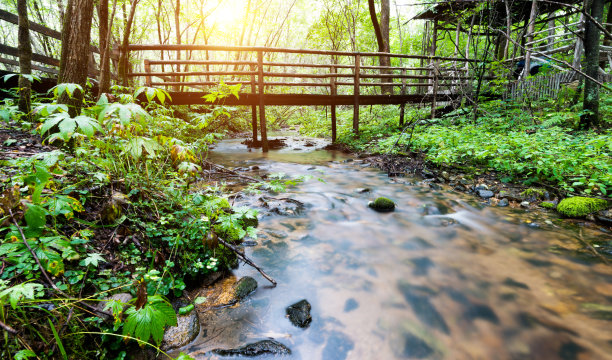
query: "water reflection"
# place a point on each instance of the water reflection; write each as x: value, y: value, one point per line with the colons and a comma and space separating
x: 442, y: 277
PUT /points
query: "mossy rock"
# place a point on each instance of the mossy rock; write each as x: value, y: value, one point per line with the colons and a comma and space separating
x: 547, y: 205
x: 244, y: 287
x: 253, y: 222
x: 579, y: 206
x: 382, y: 204
x: 534, y: 194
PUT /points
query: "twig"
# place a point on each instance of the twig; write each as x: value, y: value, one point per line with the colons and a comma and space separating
x: 8, y: 328
x: 592, y: 249
x: 63, y: 328
x: 247, y: 260
x: 44, y: 272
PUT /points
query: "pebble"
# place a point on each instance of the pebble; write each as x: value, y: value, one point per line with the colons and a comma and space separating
x: 525, y: 204
x: 503, y: 202
x: 485, y: 194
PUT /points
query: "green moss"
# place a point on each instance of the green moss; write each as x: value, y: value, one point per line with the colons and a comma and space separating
x: 382, y: 204
x: 533, y: 192
x: 547, y: 205
x: 580, y: 206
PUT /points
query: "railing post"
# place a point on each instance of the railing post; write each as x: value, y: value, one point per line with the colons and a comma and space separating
x: 333, y: 101
x: 262, y: 107
x: 403, y: 104
x: 253, y: 107
x: 357, y: 70
x: 147, y: 69
x: 435, y: 71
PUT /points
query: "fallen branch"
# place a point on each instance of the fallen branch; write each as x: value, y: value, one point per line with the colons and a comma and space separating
x: 592, y: 249
x: 247, y: 260
x: 226, y: 170
x: 8, y: 329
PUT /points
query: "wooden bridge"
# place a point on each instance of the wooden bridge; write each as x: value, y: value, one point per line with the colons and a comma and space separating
x: 437, y: 79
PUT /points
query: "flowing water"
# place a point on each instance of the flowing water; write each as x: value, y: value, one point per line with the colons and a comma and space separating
x: 444, y: 276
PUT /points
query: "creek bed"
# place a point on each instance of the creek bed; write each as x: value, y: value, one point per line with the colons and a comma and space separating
x: 444, y: 276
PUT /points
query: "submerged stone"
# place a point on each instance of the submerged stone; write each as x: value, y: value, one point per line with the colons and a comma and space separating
x: 417, y: 298
x: 382, y: 204
x: 503, y: 202
x: 579, y: 206
x: 338, y: 346
x: 350, y: 305
x: 415, y: 347
x: 187, y: 328
x: 262, y: 347
x: 244, y: 287
x: 299, y: 313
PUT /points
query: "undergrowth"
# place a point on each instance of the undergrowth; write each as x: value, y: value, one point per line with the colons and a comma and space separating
x: 112, y: 209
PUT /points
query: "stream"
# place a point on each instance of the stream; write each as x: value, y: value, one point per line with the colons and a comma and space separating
x: 444, y: 276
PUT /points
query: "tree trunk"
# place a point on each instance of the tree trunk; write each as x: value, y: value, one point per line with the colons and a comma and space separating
x: 591, y: 66
x: 76, y: 35
x: 123, y: 60
x: 25, y: 57
x: 104, y: 78
x: 530, y: 30
x: 382, y: 37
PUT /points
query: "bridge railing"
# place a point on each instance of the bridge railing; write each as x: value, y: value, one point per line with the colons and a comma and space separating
x: 343, y: 77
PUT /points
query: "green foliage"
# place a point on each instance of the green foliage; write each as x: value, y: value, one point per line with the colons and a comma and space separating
x: 578, y: 206
x: 150, y: 320
x: 69, y: 127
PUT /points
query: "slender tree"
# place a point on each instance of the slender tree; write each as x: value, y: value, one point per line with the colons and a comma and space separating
x: 25, y: 57
x: 76, y: 36
x: 591, y: 66
x: 382, y: 36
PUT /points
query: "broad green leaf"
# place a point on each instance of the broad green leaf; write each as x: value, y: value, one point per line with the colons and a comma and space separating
x: 36, y: 216
x: 20, y: 292
x: 93, y: 259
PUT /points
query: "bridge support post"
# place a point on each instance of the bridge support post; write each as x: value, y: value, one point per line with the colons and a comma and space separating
x: 357, y: 69
x: 435, y: 73
x: 403, y: 104
x: 253, y: 107
x: 147, y: 69
x: 333, y: 106
x: 262, y: 106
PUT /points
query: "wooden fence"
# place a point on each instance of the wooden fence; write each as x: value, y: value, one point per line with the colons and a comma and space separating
x: 544, y: 86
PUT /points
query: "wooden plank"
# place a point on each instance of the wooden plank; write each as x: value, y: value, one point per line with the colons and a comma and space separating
x: 402, y: 105
x: 253, y: 107
x: 332, y: 81
x: 262, y: 102
x: 186, y: 47
x: 356, y: 92
x: 34, y: 67
x: 147, y: 68
x: 14, y: 19
x: 192, y: 98
x: 9, y: 50
x: 214, y: 83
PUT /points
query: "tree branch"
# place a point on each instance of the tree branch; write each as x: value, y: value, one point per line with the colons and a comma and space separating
x: 247, y: 260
